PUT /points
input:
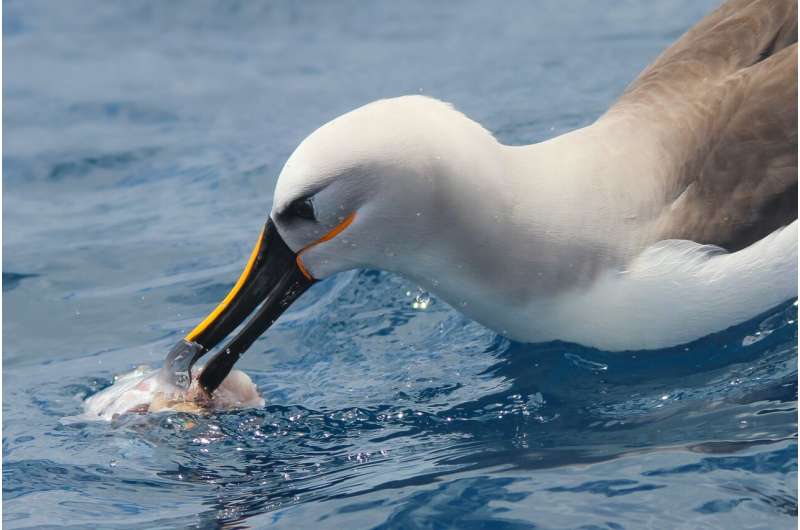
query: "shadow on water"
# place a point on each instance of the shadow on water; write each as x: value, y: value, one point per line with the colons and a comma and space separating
x: 11, y: 280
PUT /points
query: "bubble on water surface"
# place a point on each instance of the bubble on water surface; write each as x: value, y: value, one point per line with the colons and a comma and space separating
x: 421, y: 300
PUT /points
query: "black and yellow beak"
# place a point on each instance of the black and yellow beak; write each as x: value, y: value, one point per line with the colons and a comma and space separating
x: 273, y: 278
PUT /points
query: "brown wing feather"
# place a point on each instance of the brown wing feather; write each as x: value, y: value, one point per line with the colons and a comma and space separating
x: 721, y: 105
x: 746, y: 186
x: 736, y: 35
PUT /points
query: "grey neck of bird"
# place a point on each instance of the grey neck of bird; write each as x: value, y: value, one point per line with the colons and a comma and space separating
x: 570, y: 208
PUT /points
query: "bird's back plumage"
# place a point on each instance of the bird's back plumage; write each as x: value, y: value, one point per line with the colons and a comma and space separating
x: 722, y: 104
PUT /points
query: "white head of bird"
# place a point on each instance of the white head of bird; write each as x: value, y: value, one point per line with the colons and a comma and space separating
x: 550, y: 241
x: 572, y: 238
x: 415, y: 188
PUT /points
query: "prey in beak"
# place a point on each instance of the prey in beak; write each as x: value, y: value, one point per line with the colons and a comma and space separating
x: 272, y: 279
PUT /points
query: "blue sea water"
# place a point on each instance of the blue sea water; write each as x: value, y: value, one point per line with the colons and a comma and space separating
x: 142, y: 142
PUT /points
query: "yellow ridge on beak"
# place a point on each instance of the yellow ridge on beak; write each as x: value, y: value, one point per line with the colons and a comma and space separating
x: 231, y: 294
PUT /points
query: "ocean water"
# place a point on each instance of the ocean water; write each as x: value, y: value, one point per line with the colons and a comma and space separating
x: 142, y: 142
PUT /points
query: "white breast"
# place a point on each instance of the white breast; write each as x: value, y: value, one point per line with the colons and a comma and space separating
x: 672, y: 293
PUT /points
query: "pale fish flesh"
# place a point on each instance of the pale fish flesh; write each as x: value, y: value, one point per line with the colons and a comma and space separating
x: 145, y: 390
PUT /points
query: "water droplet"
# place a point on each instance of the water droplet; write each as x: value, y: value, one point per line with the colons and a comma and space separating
x: 422, y: 300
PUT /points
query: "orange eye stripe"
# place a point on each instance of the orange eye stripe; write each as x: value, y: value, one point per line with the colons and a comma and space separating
x: 249, y: 267
x: 327, y: 237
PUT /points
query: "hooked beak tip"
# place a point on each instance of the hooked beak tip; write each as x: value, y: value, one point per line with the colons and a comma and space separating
x: 273, y: 278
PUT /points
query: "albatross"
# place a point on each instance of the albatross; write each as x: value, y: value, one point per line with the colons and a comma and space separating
x: 672, y: 216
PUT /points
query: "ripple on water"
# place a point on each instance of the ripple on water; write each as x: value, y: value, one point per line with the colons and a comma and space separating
x: 474, y: 423
x: 137, y: 172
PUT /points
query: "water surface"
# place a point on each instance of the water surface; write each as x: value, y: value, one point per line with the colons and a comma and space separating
x: 142, y: 144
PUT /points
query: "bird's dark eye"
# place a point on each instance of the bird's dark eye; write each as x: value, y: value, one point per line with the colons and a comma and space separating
x: 303, y: 208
